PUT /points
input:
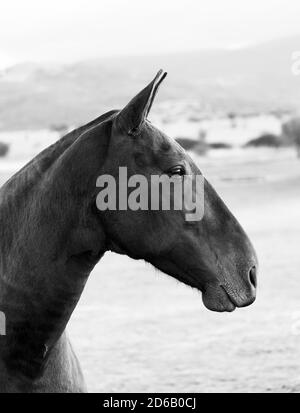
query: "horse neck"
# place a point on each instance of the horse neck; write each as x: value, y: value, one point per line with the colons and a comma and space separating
x: 49, y: 245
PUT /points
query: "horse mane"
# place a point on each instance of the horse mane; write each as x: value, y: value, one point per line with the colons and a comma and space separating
x: 41, y: 163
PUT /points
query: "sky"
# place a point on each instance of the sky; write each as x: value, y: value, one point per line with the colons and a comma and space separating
x: 72, y: 30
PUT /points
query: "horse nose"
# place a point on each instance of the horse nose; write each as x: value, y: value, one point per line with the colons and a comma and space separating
x: 251, y: 284
x: 253, y: 277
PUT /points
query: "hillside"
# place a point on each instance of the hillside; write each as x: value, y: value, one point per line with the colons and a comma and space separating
x: 256, y: 78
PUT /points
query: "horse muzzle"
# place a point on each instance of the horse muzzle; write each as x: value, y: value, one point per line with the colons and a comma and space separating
x: 223, y: 297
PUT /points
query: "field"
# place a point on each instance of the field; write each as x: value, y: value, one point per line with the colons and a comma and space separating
x: 137, y: 330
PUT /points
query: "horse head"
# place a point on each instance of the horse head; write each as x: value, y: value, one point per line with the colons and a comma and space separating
x: 213, y: 254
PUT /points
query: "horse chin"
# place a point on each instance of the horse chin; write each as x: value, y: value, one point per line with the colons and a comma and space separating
x: 214, y: 296
x: 216, y: 299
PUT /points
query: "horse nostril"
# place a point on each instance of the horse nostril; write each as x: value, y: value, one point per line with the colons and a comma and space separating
x: 252, y: 277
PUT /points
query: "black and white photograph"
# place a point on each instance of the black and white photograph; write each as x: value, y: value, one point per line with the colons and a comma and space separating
x: 149, y: 199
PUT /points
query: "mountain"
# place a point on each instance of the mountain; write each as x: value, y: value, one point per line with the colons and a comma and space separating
x: 256, y: 78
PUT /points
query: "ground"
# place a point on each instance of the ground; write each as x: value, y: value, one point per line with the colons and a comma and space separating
x: 137, y: 330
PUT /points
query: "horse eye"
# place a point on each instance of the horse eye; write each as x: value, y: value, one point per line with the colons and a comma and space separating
x: 177, y: 170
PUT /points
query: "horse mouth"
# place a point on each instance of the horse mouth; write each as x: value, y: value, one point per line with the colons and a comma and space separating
x: 217, y: 298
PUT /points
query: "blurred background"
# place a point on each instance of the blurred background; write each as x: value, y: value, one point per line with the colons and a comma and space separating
x: 232, y: 99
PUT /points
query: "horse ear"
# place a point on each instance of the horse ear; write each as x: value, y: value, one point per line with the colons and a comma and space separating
x: 132, y: 117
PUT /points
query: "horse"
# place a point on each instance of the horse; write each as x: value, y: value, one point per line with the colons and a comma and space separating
x: 53, y: 234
